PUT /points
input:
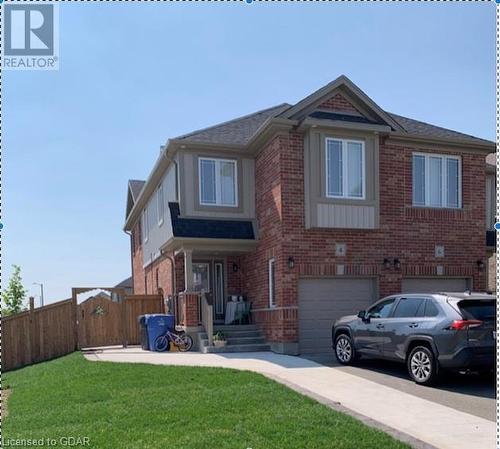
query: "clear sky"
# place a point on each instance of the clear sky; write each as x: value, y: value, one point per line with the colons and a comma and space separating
x: 133, y: 75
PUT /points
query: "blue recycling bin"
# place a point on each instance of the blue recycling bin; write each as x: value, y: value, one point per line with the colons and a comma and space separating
x: 156, y: 325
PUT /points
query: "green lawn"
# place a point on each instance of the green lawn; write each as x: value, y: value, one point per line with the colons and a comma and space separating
x: 134, y: 406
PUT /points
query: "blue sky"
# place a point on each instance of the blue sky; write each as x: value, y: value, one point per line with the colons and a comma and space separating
x: 133, y: 75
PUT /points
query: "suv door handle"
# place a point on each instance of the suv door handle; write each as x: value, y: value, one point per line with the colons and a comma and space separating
x: 380, y: 326
x: 413, y: 325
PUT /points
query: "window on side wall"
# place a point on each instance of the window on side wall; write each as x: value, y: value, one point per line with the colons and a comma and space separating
x: 436, y: 181
x: 160, y: 204
x: 272, y: 283
x: 145, y: 225
x: 345, y: 169
x: 218, y: 182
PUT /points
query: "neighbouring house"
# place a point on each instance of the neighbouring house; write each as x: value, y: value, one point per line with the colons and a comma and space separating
x: 127, y: 285
x: 312, y: 211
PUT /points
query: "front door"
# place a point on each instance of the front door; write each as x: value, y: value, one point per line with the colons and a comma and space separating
x: 209, y: 277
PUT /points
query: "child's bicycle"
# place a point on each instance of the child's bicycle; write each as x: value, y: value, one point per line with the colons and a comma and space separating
x: 180, y: 339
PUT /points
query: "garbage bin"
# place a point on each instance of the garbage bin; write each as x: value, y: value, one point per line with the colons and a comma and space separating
x: 156, y: 325
x: 143, y: 332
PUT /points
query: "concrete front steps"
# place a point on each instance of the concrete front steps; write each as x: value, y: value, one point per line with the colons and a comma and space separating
x: 239, y: 337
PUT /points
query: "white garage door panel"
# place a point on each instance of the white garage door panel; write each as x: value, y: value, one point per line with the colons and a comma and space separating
x: 430, y: 285
x: 322, y: 301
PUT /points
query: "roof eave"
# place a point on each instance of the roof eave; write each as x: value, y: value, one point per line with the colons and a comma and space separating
x: 161, y: 164
x: 486, y: 147
x: 271, y: 126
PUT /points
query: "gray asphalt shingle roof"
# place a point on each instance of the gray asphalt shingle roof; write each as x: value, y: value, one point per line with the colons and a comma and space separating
x: 427, y: 130
x: 240, y: 130
x: 135, y: 188
x: 237, y: 131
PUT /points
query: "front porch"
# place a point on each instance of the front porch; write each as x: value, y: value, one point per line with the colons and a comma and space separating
x: 213, y: 301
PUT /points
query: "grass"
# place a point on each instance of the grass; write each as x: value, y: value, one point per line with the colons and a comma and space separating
x: 135, y: 406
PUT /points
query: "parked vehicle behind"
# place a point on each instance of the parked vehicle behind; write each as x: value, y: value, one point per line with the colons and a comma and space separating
x: 428, y: 332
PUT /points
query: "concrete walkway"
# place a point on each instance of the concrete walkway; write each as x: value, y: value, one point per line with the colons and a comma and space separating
x: 422, y: 423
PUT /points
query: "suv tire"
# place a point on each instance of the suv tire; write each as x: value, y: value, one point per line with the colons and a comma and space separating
x: 344, y: 349
x: 422, y: 366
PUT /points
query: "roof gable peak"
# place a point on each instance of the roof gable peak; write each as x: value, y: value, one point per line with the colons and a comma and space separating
x: 345, y: 87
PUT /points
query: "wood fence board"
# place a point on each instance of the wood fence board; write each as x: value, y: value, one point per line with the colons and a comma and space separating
x: 60, y: 328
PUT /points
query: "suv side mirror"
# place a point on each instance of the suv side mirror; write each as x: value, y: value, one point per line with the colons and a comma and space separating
x: 364, y: 315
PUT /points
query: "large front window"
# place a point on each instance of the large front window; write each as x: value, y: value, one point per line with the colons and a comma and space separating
x: 436, y: 180
x: 217, y: 178
x: 345, y: 168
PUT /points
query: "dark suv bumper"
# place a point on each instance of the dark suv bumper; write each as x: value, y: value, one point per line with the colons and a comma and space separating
x: 470, y: 358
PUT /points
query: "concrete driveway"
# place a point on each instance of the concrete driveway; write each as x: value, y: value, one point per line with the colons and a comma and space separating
x: 469, y: 393
x: 423, y: 423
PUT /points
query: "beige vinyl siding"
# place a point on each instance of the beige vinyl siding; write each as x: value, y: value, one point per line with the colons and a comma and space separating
x: 346, y: 216
x: 327, y: 212
x: 189, y: 187
x: 159, y: 234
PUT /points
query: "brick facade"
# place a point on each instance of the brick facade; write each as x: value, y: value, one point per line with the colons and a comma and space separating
x: 404, y: 232
x: 338, y: 103
x: 407, y: 233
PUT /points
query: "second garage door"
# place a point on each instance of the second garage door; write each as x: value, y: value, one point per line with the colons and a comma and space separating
x: 430, y: 285
x: 322, y: 301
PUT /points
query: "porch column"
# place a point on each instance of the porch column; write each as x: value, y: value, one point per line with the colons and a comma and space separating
x: 188, y: 270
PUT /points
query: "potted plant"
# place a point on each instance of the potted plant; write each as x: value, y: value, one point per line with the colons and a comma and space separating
x: 219, y: 339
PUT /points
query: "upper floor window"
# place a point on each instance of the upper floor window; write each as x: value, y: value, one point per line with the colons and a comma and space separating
x: 218, y: 183
x: 145, y: 226
x: 345, y: 169
x: 437, y: 180
x: 160, y: 204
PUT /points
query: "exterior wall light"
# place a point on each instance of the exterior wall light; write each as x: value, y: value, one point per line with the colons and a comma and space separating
x: 235, y: 268
x: 291, y: 262
x: 480, y: 265
x: 397, y: 264
x: 386, y: 263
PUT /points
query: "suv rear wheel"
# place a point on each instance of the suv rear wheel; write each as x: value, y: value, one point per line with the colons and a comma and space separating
x: 344, y: 349
x: 422, y: 365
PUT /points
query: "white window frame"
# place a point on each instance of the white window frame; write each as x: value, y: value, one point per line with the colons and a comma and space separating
x: 272, y: 282
x: 145, y: 224
x: 218, y: 195
x: 160, y: 204
x: 345, y: 194
x: 444, y: 180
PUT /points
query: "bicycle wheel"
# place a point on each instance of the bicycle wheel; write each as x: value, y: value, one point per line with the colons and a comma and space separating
x: 161, y: 343
x: 185, y: 343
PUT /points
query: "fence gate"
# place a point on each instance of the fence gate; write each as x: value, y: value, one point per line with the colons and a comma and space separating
x: 100, y: 322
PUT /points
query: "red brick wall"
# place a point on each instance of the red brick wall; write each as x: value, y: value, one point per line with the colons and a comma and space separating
x: 137, y: 260
x: 268, y: 200
x: 235, y: 280
x: 338, y: 103
x: 407, y: 233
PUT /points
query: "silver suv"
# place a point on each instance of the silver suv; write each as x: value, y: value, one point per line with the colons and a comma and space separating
x: 428, y: 332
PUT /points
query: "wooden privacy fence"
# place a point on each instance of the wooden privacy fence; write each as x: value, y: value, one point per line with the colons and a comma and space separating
x: 63, y: 327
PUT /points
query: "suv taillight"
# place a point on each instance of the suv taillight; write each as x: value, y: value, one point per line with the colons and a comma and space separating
x: 464, y: 324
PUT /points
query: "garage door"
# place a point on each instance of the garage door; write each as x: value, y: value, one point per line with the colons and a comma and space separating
x: 322, y: 301
x: 429, y: 285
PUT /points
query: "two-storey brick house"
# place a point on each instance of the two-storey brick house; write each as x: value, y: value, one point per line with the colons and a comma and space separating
x: 311, y: 211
